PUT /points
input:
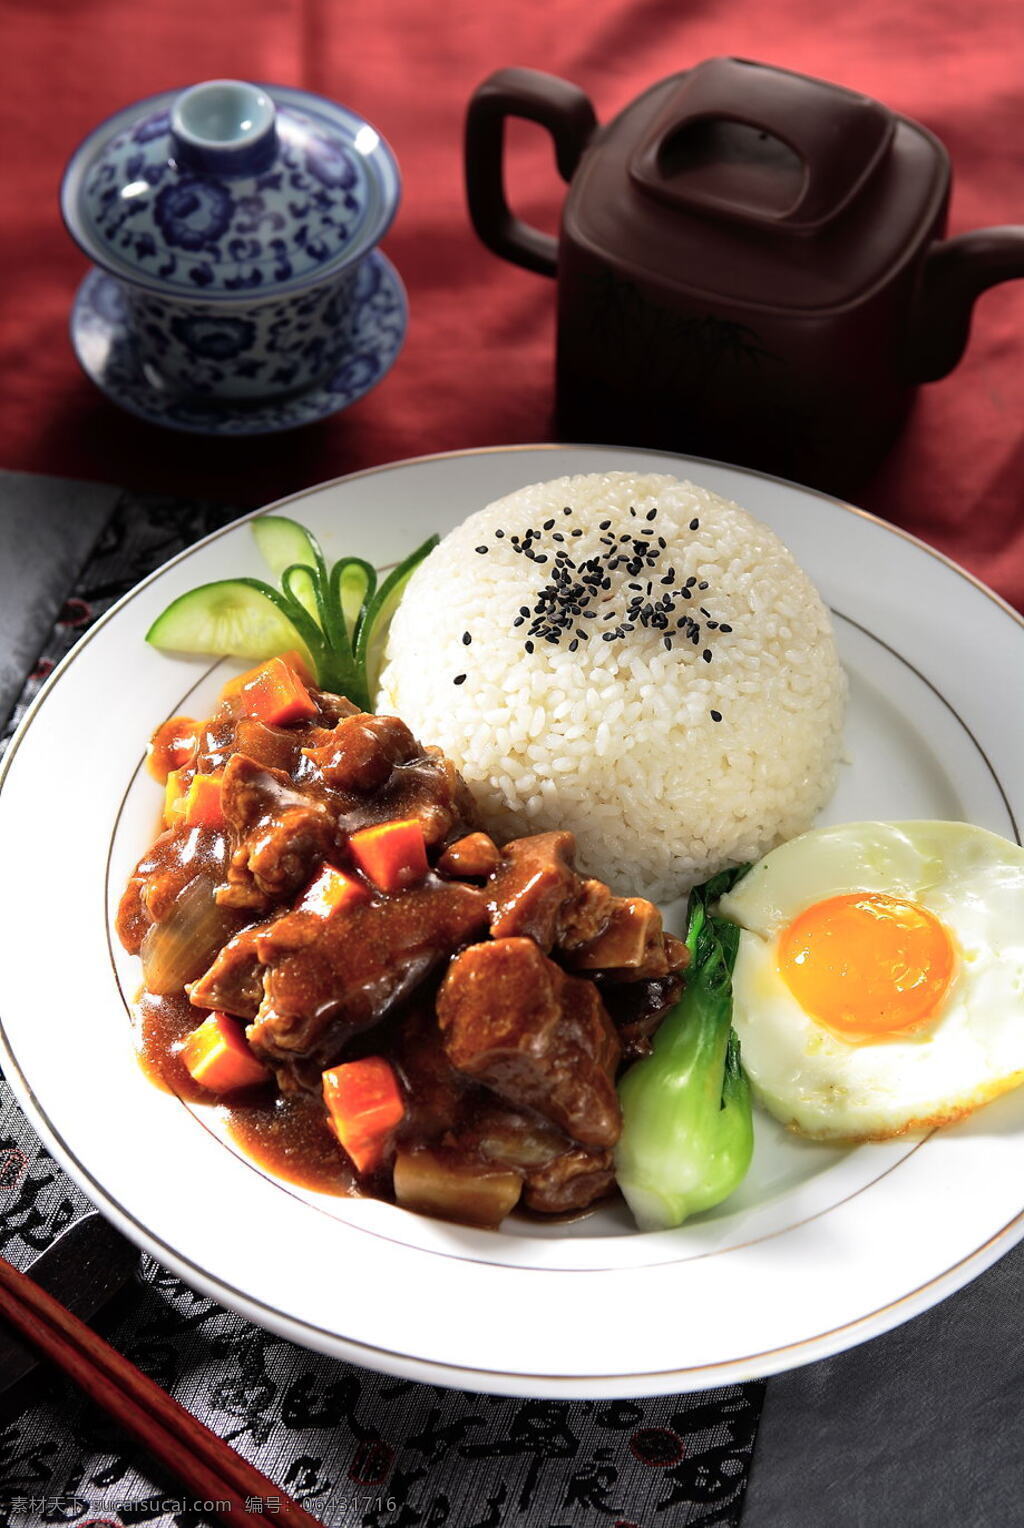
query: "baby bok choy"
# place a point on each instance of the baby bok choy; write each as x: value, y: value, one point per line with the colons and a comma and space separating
x: 687, y: 1133
x: 336, y: 618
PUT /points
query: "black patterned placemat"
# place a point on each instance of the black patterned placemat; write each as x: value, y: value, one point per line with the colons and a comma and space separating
x: 356, y: 1447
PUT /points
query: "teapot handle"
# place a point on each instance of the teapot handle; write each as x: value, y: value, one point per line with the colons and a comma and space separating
x: 543, y: 98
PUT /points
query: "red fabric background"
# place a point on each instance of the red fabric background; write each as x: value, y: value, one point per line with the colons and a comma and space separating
x: 477, y: 367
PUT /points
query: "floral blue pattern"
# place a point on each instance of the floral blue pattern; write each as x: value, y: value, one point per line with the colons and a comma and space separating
x: 192, y: 213
x: 270, y: 346
x: 330, y: 163
x: 156, y: 126
x: 236, y: 278
x: 218, y: 339
x: 103, y: 334
x: 321, y: 204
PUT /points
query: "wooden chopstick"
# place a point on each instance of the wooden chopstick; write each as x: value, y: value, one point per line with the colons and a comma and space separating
x: 204, y: 1462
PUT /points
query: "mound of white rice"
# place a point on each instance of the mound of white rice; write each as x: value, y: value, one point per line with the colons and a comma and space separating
x: 668, y: 764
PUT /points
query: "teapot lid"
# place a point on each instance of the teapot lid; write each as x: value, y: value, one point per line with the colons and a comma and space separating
x: 754, y: 184
x: 230, y: 188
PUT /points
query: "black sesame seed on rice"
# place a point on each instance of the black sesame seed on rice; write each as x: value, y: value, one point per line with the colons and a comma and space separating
x: 459, y: 679
x: 573, y: 587
x: 466, y: 639
x: 716, y: 716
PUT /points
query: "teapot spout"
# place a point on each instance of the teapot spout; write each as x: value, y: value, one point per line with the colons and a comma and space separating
x: 956, y: 272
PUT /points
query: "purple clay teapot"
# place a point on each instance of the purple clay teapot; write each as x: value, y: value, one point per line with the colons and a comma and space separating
x: 751, y: 264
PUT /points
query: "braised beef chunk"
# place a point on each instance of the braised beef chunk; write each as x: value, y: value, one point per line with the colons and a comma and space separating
x: 497, y: 1131
x: 282, y: 832
x: 637, y: 1008
x: 362, y: 751
x: 273, y: 747
x: 516, y: 1022
x: 435, y: 1093
x: 332, y: 707
x: 536, y: 892
x: 177, y: 856
x: 471, y: 858
x: 633, y: 927
x: 586, y: 916
x: 568, y: 1182
x: 329, y: 978
x: 480, y: 1131
x: 533, y: 888
x: 632, y: 944
x: 216, y: 743
x: 234, y: 982
x: 432, y: 792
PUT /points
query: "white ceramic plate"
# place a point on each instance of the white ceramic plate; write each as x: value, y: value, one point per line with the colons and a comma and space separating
x: 821, y: 1247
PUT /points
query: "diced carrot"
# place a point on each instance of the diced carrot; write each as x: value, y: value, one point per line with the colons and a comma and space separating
x: 392, y: 854
x: 275, y: 694
x: 365, y: 1106
x: 174, y: 798
x: 300, y: 664
x: 331, y: 890
x: 292, y: 659
x: 201, y: 807
x: 218, y: 1057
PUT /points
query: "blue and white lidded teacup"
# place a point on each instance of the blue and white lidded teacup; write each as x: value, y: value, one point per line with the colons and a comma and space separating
x: 235, y: 218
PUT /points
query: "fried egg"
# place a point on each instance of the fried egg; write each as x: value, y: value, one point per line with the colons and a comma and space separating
x: 879, y: 982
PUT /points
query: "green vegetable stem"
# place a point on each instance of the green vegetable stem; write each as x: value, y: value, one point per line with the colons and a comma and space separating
x: 687, y: 1132
x: 337, y: 618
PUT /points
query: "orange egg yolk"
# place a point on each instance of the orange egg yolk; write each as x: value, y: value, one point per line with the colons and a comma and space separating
x: 867, y: 964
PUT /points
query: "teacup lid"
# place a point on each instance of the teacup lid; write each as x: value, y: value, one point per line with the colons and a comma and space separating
x: 229, y: 190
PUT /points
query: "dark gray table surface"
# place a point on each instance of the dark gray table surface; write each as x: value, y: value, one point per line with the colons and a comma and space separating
x: 924, y: 1425
x: 47, y: 527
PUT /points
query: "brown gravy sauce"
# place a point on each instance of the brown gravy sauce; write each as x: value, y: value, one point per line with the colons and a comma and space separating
x: 286, y: 1134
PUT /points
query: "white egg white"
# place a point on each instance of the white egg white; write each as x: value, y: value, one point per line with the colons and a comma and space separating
x: 968, y: 1052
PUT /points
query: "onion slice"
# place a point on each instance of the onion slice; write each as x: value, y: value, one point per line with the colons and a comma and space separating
x: 181, y: 946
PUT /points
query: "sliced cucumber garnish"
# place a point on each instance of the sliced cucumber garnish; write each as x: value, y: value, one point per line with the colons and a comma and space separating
x: 373, y: 629
x: 283, y: 541
x: 231, y: 618
x: 353, y: 582
x: 338, y: 620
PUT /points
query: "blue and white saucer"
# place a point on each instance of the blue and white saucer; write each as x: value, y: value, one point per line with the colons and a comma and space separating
x: 104, y: 348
